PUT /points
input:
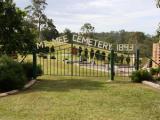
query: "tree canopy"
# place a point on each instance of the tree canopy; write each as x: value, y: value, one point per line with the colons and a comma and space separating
x: 144, y: 42
x: 158, y: 3
x: 36, y: 13
x: 69, y: 34
x: 49, y: 31
x: 15, y: 34
x: 158, y: 30
x: 87, y: 29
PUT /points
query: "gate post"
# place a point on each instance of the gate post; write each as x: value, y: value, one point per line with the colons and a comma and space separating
x: 112, y: 65
x: 34, y: 63
x: 71, y: 57
x: 137, y: 59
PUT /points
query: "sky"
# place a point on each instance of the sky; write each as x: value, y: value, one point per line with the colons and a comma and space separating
x: 104, y: 15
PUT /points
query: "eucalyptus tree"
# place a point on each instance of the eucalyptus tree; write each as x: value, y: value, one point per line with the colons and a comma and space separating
x: 69, y: 34
x: 87, y: 30
x: 158, y: 3
x: 49, y: 31
x: 36, y: 13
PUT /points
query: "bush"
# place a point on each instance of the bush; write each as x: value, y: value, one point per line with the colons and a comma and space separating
x: 12, y: 75
x: 155, y: 71
x: 139, y: 76
x: 39, y: 70
x: 28, y: 69
x: 156, y: 79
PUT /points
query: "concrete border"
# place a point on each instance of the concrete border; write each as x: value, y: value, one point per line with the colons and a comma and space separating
x: 151, y: 84
x: 27, y: 86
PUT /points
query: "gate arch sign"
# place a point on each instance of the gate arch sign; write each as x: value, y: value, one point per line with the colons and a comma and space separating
x: 93, y: 43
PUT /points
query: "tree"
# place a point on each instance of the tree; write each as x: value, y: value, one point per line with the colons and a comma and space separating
x: 158, y: 30
x: 87, y: 30
x: 139, y: 37
x: 86, y: 53
x: 158, y: 3
x: 97, y: 54
x: 103, y: 54
x: 115, y: 57
x: 49, y: 31
x: 36, y: 13
x: 80, y: 51
x: 109, y: 57
x: 128, y: 60
x: 144, y: 41
x: 15, y: 34
x: 121, y: 59
x: 69, y: 34
x: 92, y: 53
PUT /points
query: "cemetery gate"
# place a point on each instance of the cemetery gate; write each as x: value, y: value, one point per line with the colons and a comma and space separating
x: 84, y: 61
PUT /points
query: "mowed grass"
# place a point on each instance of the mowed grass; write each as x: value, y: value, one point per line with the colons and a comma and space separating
x: 76, y: 98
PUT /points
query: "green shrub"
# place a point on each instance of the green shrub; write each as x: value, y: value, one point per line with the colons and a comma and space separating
x: 12, y: 75
x: 156, y: 79
x: 139, y: 76
x: 39, y: 70
x: 28, y: 69
x: 155, y: 71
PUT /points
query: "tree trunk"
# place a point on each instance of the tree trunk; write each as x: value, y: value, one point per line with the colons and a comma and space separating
x: 39, y: 29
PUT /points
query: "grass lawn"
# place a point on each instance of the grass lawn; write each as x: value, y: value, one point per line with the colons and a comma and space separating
x: 59, y: 98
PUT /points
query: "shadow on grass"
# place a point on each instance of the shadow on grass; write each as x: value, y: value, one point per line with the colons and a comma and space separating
x: 67, y: 85
x: 120, y: 82
x: 62, y: 84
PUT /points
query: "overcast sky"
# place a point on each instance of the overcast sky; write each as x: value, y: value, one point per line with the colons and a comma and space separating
x: 104, y: 15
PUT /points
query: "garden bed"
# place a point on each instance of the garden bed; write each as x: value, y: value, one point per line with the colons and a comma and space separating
x: 27, y: 86
x: 152, y: 84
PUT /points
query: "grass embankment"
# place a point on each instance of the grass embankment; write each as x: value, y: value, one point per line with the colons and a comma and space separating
x: 63, y: 98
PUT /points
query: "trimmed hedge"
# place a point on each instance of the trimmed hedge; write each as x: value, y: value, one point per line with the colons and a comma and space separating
x: 12, y: 75
x: 28, y: 69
